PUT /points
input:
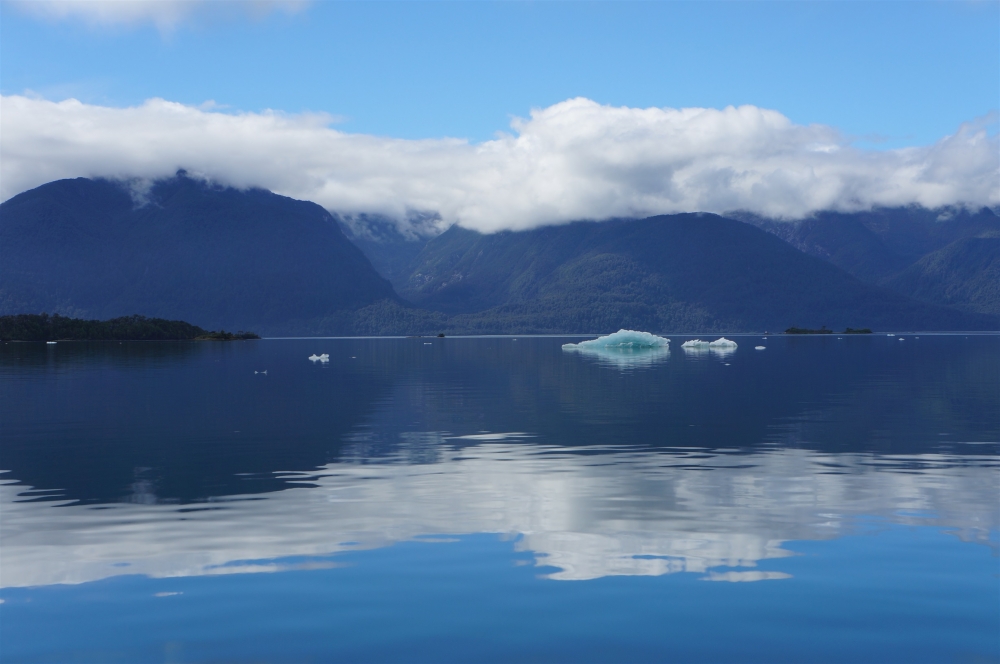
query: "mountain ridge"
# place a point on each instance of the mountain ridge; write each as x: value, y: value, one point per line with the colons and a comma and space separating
x: 215, y: 256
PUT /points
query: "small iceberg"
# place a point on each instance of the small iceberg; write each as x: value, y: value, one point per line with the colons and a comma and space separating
x: 624, y: 348
x: 51, y: 343
x: 759, y: 347
x: 325, y: 357
x: 720, y: 346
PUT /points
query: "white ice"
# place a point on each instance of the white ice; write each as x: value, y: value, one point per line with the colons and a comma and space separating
x: 720, y: 346
x: 325, y: 357
x: 625, y: 349
x: 623, y: 339
x: 759, y: 347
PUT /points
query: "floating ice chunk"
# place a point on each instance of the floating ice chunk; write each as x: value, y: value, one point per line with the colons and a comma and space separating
x: 759, y: 347
x: 721, y: 346
x: 51, y: 343
x: 625, y: 348
x: 901, y: 338
x: 623, y: 339
x: 890, y: 335
x: 325, y: 357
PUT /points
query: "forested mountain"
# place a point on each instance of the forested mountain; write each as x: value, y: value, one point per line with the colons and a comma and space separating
x: 184, y: 249
x: 891, y: 246
x: 677, y: 272
x: 218, y: 257
x: 965, y: 274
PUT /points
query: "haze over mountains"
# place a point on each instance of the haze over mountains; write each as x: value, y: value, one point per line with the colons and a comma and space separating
x: 222, y: 257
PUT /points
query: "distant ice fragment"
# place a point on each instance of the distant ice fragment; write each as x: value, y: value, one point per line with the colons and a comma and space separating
x: 890, y: 335
x: 723, y: 342
x: 759, y: 347
x: 51, y: 343
x: 325, y: 357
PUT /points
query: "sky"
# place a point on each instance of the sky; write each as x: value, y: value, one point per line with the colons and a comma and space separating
x: 511, y: 114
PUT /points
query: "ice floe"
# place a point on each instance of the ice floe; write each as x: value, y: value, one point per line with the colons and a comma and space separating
x: 623, y: 339
x: 624, y: 348
x: 759, y: 347
x: 720, y: 346
x: 325, y: 357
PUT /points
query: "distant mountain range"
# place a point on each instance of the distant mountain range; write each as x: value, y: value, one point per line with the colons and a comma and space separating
x: 220, y: 257
x: 947, y: 257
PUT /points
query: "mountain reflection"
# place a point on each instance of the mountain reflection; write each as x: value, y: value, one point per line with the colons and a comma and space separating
x: 584, y: 516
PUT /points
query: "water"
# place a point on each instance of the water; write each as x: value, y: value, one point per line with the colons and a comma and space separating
x: 490, y: 499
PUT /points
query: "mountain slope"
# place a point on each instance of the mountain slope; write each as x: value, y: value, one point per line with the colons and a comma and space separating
x: 678, y: 272
x: 879, y: 246
x: 965, y: 274
x: 214, y: 256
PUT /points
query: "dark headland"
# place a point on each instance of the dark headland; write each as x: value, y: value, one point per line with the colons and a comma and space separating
x: 42, y: 327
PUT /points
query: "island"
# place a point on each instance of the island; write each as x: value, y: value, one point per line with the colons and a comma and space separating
x: 43, y: 327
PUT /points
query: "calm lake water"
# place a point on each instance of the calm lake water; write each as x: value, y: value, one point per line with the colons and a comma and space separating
x: 496, y: 499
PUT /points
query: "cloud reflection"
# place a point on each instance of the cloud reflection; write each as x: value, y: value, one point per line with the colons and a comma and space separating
x: 587, y: 516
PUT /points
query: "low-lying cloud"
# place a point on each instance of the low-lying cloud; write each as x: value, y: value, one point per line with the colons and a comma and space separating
x: 575, y: 160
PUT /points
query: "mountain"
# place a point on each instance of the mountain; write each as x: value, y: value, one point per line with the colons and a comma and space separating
x: 677, y: 272
x: 391, y: 247
x: 880, y: 246
x: 964, y: 274
x: 184, y: 249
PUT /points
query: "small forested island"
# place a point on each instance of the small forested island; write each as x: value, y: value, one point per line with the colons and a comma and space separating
x: 42, y: 327
x: 823, y: 330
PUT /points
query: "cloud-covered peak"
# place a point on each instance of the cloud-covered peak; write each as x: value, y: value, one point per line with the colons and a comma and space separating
x: 574, y: 160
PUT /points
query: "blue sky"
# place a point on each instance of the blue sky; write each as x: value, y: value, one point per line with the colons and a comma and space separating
x: 906, y: 73
x: 508, y: 115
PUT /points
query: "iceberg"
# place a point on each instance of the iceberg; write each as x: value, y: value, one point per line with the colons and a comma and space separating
x: 623, y: 339
x: 759, y: 347
x: 720, y: 346
x: 325, y: 357
x: 625, y: 348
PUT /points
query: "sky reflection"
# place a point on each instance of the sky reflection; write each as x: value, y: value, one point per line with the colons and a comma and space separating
x: 591, y: 515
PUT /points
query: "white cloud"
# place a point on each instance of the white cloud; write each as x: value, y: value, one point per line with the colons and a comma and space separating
x: 574, y: 160
x: 164, y: 14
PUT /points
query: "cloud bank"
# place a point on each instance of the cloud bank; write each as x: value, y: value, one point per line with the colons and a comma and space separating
x: 575, y: 160
x: 164, y: 14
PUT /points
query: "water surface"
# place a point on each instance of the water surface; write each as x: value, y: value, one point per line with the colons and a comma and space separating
x: 497, y: 499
